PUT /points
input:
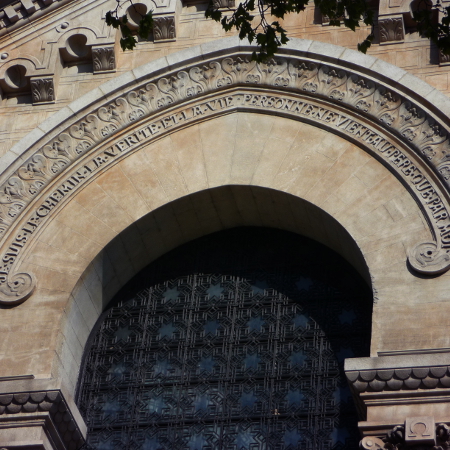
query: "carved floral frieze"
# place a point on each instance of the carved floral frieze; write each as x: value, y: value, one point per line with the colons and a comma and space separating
x: 385, y: 107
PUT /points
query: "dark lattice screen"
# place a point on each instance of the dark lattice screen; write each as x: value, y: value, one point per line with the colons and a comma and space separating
x: 235, y: 341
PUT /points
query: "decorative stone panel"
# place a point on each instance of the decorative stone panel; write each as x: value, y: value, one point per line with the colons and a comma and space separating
x: 392, y: 29
x: 103, y: 59
x: 164, y: 28
x: 42, y: 90
x: 420, y: 431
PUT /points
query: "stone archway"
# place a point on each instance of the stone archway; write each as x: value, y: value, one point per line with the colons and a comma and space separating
x: 320, y: 142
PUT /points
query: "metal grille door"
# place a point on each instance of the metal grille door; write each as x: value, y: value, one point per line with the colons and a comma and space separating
x: 213, y: 361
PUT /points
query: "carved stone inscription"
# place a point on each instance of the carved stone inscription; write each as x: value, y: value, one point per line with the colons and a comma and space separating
x: 240, y: 100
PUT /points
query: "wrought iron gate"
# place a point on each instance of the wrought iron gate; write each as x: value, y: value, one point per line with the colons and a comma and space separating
x: 246, y: 357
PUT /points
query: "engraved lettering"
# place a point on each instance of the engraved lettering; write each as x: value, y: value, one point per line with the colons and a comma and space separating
x: 111, y: 152
x: 131, y: 140
x: 197, y: 111
x: 122, y: 145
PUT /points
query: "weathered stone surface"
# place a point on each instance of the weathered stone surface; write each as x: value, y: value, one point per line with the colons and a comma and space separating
x: 228, y: 163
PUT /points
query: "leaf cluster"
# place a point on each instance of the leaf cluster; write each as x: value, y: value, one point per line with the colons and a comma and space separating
x: 271, y: 35
x: 426, y: 15
x: 128, y: 40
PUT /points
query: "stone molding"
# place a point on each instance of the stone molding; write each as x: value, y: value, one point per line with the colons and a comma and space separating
x: 362, y: 92
x: 47, y: 410
x: 392, y: 29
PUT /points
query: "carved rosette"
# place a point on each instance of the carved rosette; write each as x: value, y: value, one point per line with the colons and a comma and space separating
x: 381, y: 104
x: 103, y: 59
x: 42, y: 90
x: 31, y: 405
x: 164, y: 28
x: 391, y: 29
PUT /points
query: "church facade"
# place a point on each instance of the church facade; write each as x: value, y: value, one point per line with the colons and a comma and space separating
x: 111, y: 159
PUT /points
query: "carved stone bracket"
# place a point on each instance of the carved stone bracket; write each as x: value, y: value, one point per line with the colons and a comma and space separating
x: 47, y: 410
x: 419, y: 433
x: 392, y: 29
x: 164, y: 28
x: 103, y: 59
x: 42, y: 90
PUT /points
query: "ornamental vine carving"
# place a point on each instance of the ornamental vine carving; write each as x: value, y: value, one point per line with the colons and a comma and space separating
x: 390, y: 109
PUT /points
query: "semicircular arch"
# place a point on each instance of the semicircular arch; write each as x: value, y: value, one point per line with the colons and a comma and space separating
x: 318, y: 123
